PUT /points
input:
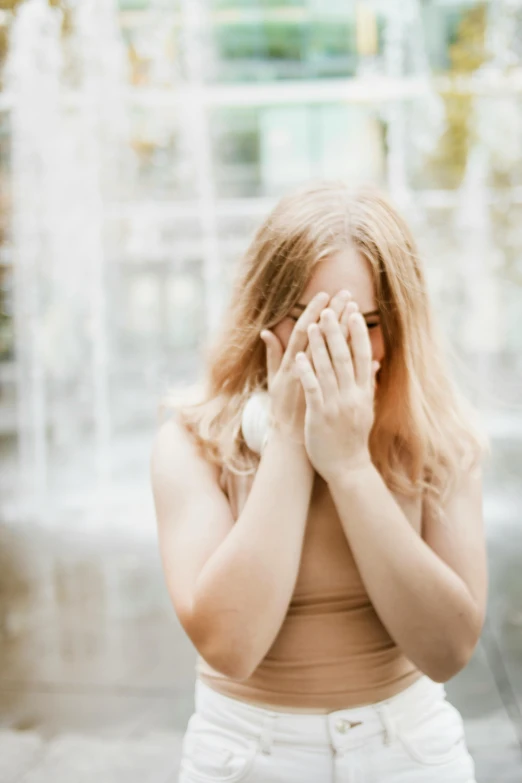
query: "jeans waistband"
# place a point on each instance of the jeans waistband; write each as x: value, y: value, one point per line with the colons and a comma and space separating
x: 340, y: 728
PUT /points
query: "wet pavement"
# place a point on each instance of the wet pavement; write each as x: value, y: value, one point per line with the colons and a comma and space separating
x: 97, y: 676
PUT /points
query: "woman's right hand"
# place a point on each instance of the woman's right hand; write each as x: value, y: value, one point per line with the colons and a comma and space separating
x: 287, y: 399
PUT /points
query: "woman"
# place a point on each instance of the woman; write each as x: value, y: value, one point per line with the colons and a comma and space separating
x: 331, y: 573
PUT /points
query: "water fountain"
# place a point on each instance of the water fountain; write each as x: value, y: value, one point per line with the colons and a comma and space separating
x: 415, y: 126
x: 33, y: 78
x: 68, y: 124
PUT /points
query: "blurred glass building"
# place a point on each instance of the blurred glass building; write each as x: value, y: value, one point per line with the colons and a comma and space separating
x: 142, y: 142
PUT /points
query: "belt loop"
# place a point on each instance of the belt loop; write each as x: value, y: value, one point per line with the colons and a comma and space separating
x: 388, y: 723
x: 267, y: 734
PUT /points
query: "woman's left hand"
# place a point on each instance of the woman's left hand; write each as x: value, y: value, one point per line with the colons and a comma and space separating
x: 339, y: 393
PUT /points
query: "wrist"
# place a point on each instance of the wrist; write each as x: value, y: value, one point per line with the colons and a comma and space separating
x: 277, y: 428
x: 283, y: 440
x: 351, y: 472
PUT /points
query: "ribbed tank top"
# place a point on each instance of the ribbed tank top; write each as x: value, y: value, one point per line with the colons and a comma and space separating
x: 332, y: 651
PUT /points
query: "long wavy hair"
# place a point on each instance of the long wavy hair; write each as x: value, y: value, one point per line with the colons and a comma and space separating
x: 425, y: 431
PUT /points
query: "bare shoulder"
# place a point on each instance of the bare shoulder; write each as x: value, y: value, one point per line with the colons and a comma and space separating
x: 177, y: 461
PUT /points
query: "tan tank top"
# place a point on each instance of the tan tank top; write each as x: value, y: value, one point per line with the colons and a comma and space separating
x: 332, y: 651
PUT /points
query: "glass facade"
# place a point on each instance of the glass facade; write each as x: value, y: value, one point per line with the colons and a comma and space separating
x: 269, y: 41
x: 262, y: 151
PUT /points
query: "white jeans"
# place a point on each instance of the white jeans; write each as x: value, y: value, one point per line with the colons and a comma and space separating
x: 414, y: 737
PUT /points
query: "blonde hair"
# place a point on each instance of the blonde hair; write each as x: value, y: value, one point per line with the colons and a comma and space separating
x: 424, y: 432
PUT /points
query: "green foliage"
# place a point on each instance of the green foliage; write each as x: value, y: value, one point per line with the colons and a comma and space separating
x: 297, y: 42
x: 261, y: 41
x: 333, y: 39
x: 466, y: 54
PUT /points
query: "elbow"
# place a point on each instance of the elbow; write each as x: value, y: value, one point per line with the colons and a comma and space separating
x: 231, y: 665
x: 447, y: 666
x: 227, y: 652
x: 226, y: 655
x: 451, y: 659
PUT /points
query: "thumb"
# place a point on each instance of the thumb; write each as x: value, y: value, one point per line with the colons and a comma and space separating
x: 274, y: 353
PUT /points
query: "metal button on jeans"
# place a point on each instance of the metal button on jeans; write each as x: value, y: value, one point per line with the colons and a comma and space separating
x: 343, y: 725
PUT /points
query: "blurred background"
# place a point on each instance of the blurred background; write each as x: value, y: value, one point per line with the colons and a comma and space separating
x: 141, y: 143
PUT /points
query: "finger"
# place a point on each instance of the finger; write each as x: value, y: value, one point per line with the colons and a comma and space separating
x: 339, y: 302
x: 322, y: 363
x: 309, y: 382
x: 361, y: 349
x: 299, y: 337
x: 308, y: 354
x: 274, y: 353
x: 338, y: 349
x: 349, y: 308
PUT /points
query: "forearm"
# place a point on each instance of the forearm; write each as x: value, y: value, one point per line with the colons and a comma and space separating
x: 244, y: 589
x: 427, y: 609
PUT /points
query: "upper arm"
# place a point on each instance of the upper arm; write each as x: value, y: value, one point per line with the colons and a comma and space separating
x: 192, y: 512
x: 459, y: 539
